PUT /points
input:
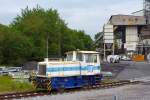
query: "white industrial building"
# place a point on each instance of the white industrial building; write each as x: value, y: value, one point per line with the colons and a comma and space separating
x: 132, y: 31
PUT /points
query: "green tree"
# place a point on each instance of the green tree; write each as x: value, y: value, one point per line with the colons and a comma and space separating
x: 38, y: 24
x: 14, y: 47
x: 32, y: 27
x: 3, y: 30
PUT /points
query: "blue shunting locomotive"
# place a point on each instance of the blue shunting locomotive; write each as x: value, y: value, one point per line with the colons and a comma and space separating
x: 80, y: 68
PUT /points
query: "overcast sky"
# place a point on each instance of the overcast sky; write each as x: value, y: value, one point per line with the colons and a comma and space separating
x: 87, y: 15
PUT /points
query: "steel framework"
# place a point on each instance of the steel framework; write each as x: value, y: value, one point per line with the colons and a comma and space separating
x: 147, y: 10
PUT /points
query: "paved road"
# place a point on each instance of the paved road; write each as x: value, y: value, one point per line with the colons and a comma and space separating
x: 128, y: 69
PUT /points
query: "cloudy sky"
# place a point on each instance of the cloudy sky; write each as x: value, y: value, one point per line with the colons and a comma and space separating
x: 87, y: 15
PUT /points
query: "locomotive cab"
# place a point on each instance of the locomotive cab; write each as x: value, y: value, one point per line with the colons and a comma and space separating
x: 83, y: 56
x: 89, y: 61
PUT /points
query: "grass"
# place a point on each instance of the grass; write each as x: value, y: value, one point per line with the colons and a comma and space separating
x: 8, y: 85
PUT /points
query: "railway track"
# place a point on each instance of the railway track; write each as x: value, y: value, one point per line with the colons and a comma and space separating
x: 21, y: 95
x: 43, y: 93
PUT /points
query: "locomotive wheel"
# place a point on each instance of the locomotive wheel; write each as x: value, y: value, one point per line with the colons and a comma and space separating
x: 61, y: 90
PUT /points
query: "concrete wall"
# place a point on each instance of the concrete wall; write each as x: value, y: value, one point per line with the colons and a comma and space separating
x: 132, y: 34
x: 127, y: 20
x: 145, y: 32
x: 146, y: 41
x: 132, y: 38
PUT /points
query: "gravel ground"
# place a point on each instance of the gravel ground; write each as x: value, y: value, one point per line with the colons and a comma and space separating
x: 115, y: 68
x: 134, y: 70
x: 124, y: 70
x: 128, y: 69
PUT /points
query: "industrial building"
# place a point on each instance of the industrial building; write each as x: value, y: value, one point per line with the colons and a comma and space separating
x: 131, y: 33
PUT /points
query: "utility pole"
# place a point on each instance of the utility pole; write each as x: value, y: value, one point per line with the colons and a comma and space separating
x: 47, y: 47
x: 46, y: 59
x: 113, y: 47
x: 60, y: 45
x: 104, y: 52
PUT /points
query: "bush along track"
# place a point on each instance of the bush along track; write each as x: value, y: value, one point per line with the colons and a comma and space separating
x: 9, y: 85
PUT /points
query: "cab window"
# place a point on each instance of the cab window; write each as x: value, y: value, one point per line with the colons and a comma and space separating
x: 79, y: 57
x: 70, y: 57
x: 90, y: 58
